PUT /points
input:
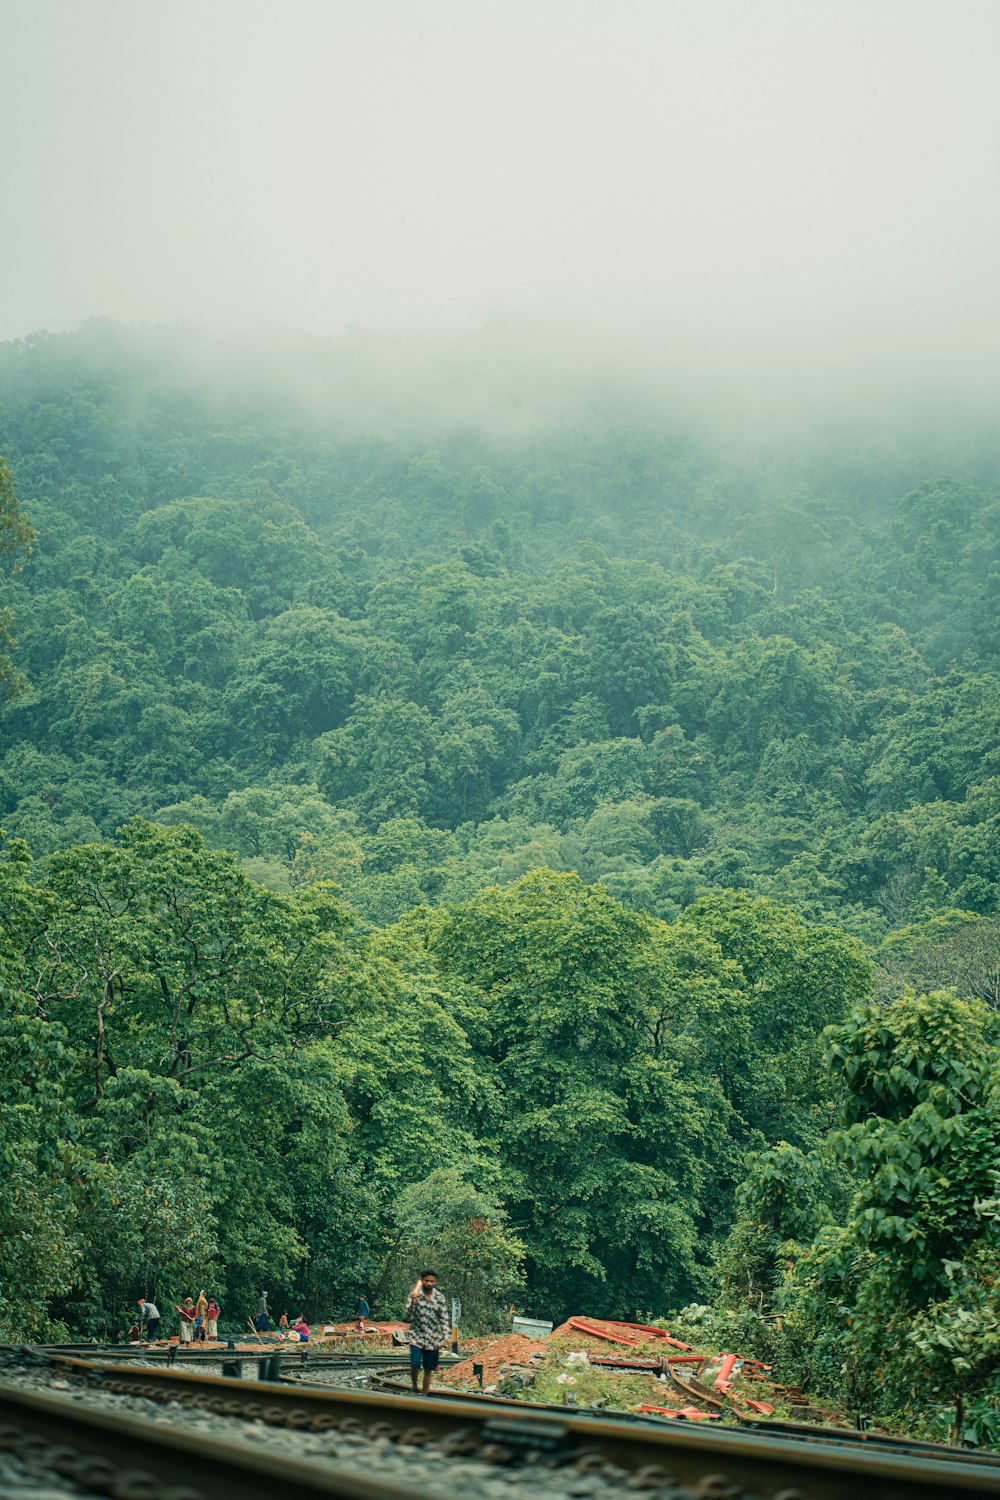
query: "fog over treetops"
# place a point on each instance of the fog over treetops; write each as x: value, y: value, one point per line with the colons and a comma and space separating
x: 801, y: 191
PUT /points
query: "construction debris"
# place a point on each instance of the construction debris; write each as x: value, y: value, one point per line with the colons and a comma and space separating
x: 579, y: 1363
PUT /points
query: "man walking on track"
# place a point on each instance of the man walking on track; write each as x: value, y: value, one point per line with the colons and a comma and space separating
x: 427, y: 1315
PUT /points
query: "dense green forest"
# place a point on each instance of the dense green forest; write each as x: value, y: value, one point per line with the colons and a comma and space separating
x: 557, y: 835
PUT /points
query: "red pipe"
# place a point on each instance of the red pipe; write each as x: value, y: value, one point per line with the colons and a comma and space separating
x: 599, y: 1333
x: 656, y: 1333
x: 722, y: 1381
x: 620, y: 1338
x: 691, y: 1412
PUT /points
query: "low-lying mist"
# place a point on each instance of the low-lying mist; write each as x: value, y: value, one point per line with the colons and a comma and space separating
x: 509, y: 382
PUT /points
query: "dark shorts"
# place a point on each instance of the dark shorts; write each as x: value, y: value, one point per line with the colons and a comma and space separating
x: 429, y: 1358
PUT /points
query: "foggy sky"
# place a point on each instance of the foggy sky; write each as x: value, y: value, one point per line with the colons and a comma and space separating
x: 804, y: 178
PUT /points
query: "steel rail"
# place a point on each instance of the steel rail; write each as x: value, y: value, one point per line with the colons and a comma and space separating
x: 301, y: 1353
x: 823, y: 1468
x: 806, y: 1432
x: 129, y: 1457
x: 386, y: 1382
x: 504, y: 1404
x: 226, y: 1361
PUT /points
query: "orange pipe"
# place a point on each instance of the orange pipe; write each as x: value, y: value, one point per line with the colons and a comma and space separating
x: 691, y: 1412
x: 598, y: 1333
x: 655, y: 1333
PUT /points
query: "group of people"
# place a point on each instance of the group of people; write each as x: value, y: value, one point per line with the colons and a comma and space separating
x: 199, y: 1320
x: 426, y: 1313
x: 297, y: 1332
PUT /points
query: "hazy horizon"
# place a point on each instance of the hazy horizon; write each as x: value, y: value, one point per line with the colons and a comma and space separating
x: 777, y: 187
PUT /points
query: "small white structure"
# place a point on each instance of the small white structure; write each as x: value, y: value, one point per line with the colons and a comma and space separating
x: 532, y: 1328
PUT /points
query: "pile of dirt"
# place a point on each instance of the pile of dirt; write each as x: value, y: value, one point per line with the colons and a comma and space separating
x: 481, y: 1341
x: 372, y: 1326
x: 376, y: 1335
x: 512, y: 1349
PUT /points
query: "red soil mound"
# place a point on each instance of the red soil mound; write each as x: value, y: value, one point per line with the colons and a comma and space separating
x: 512, y: 1349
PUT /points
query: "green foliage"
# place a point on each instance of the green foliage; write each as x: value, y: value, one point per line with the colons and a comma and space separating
x: 780, y: 1206
x: 563, y: 778
x: 923, y: 1131
x: 782, y: 1193
x: 799, y: 979
x: 896, y: 1307
x: 17, y: 535
x: 445, y: 1222
x: 955, y: 1342
x: 770, y: 689
x: 602, y: 1029
x: 38, y: 1229
x: 956, y: 950
x: 250, y: 1090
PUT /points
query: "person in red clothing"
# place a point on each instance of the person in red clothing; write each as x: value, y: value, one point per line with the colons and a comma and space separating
x: 213, y: 1318
x: 188, y: 1316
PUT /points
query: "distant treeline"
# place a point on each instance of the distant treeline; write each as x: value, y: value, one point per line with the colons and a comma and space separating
x: 419, y: 664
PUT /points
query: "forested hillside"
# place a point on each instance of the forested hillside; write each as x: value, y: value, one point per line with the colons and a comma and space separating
x: 419, y: 662
x: 457, y: 834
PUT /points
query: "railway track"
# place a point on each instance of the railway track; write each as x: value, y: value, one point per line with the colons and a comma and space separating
x: 294, y: 1355
x: 263, y: 1364
x: 802, y: 1432
x: 375, y: 1445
